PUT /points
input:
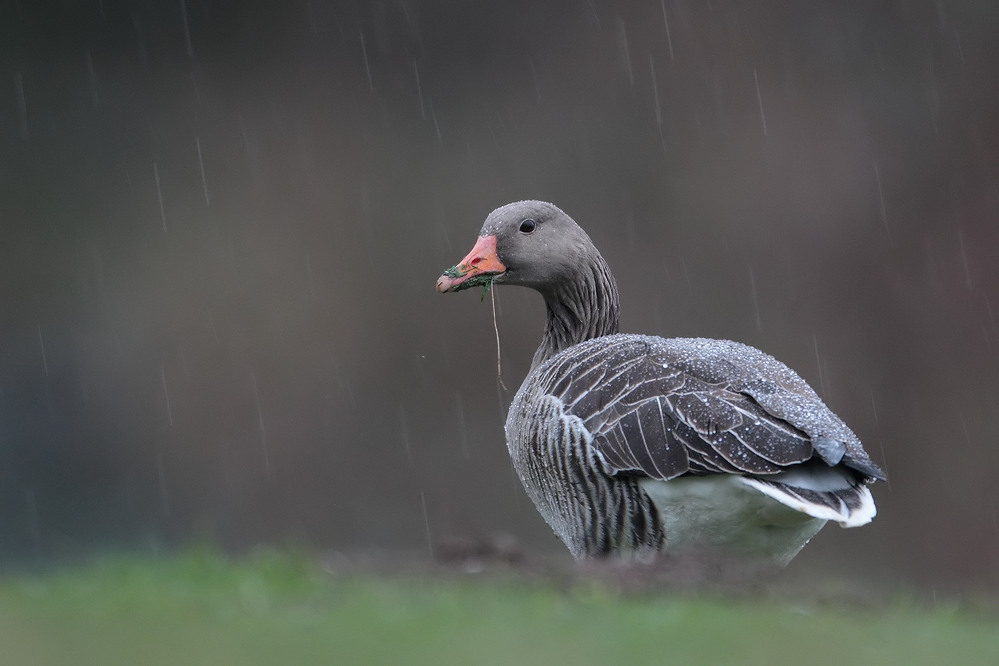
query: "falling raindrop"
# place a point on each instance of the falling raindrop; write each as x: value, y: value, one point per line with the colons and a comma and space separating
x: 347, y: 387
x: 367, y: 67
x: 881, y: 201
x: 964, y: 261
x: 187, y: 28
x: 159, y: 195
x: 818, y: 362
x: 534, y: 78
x: 426, y: 523
x: 659, y: 112
x: 166, y: 396
x: 967, y: 435
x: 686, y: 276
x: 437, y: 127
x: 991, y: 315
x: 261, y: 427
x: 669, y: 37
x: 759, y: 99
x: 625, y: 52
x: 419, y: 90
x: 41, y: 343
x: 201, y: 169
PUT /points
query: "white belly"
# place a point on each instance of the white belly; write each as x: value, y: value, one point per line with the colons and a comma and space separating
x: 724, y: 511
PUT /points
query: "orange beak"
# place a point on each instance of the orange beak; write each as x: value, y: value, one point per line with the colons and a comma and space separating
x: 476, y: 268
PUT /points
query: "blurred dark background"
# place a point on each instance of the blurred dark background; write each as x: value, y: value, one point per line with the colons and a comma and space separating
x: 221, y: 223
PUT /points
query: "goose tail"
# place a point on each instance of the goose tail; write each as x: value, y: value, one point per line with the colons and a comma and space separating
x: 829, y: 493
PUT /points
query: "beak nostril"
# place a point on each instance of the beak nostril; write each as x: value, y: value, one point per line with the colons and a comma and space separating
x: 476, y: 261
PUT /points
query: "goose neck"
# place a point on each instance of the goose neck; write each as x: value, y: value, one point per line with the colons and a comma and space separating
x: 579, y: 309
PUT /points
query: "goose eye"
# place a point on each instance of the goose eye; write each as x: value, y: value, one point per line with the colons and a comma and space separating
x: 527, y: 226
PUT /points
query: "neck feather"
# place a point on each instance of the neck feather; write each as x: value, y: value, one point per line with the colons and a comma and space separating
x: 579, y: 309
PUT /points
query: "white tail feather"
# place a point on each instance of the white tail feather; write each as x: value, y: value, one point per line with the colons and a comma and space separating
x: 831, y: 484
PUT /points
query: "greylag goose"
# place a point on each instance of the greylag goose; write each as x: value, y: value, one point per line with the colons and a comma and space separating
x: 629, y: 444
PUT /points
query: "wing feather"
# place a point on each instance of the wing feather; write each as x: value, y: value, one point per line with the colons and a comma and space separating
x: 665, y: 408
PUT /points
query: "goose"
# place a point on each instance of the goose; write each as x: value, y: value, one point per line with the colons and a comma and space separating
x: 631, y: 444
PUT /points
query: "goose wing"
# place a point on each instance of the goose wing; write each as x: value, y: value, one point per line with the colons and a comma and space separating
x: 664, y: 408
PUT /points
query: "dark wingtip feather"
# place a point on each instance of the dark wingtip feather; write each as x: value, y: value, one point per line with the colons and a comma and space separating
x: 865, y: 467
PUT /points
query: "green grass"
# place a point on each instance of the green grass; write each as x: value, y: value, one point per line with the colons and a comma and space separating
x: 271, y: 609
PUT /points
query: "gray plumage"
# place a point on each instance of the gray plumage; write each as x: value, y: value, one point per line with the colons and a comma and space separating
x: 629, y: 444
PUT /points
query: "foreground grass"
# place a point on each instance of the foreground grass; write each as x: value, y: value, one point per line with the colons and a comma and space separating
x: 202, y: 609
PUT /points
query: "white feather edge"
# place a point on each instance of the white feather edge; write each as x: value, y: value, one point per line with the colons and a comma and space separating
x: 845, y: 517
